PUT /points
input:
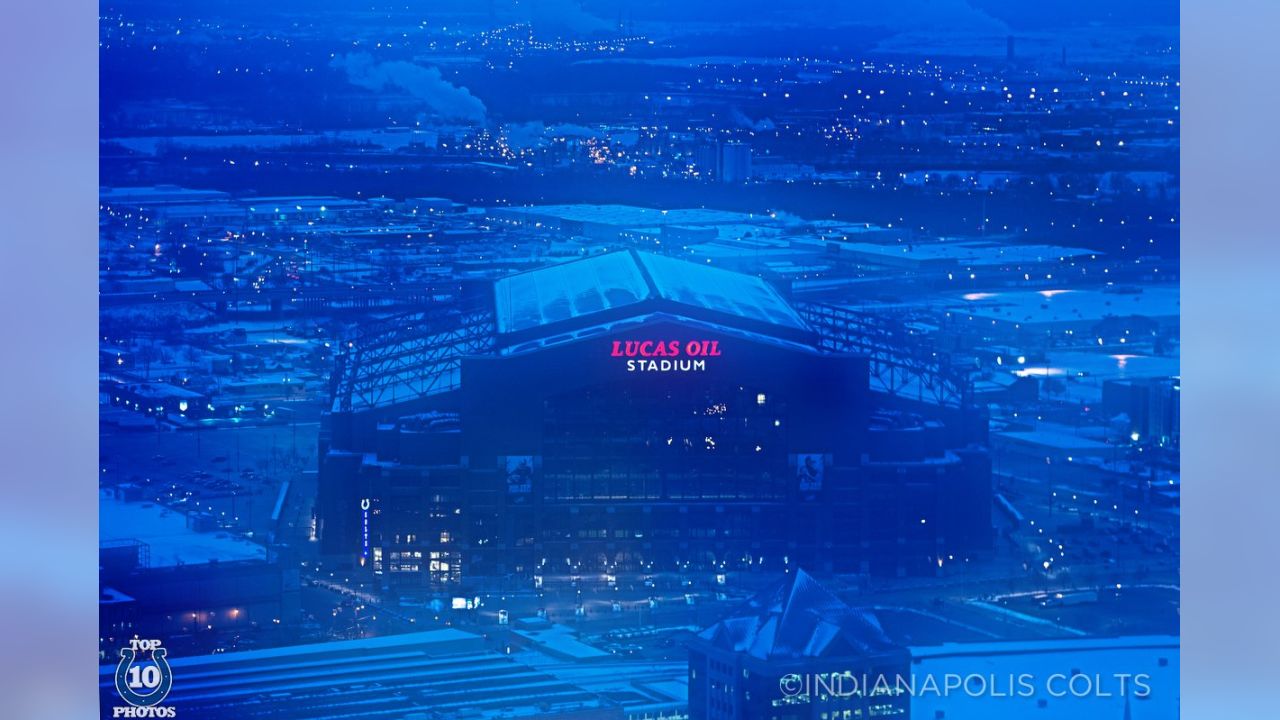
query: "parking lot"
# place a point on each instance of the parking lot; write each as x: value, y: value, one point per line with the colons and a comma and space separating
x: 232, y: 473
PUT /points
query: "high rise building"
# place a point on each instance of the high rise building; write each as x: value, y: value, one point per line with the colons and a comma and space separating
x: 735, y: 162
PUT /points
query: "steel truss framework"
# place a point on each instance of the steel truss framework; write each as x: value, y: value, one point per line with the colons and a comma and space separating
x: 900, y: 364
x: 409, y: 356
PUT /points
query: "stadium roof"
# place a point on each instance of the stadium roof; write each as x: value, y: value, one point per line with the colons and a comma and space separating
x: 411, y: 356
x: 626, y: 283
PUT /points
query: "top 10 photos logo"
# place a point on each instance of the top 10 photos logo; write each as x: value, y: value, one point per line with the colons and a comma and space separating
x: 144, y: 685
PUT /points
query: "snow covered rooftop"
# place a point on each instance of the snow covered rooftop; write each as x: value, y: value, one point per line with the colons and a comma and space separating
x: 618, y: 280
x: 172, y: 542
x: 573, y: 289
x: 1096, y: 666
x: 799, y: 619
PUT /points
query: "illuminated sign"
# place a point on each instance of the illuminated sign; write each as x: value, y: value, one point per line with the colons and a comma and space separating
x: 364, y: 530
x: 665, y: 355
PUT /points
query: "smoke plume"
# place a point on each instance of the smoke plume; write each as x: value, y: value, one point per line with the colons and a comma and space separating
x: 425, y: 83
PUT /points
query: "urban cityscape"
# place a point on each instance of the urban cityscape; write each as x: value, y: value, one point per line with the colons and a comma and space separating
x: 639, y: 361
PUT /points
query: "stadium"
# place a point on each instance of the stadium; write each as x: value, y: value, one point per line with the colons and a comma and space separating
x: 633, y: 412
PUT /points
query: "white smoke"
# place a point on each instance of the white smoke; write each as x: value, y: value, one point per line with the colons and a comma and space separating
x: 535, y: 134
x: 425, y: 83
x: 743, y: 121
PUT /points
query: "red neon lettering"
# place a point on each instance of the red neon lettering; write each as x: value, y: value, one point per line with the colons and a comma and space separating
x: 664, y: 348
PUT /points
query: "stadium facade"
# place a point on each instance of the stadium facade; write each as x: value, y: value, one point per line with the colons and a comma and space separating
x: 633, y: 412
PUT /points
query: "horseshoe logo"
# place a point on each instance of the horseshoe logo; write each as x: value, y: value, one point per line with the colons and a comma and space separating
x: 125, y: 684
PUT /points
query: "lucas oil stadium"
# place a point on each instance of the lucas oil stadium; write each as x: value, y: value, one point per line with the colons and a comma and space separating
x: 635, y: 412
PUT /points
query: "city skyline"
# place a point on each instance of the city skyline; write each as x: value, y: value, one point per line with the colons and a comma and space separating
x: 554, y: 335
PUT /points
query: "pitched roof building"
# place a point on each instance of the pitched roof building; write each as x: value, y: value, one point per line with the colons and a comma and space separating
x: 796, y: 651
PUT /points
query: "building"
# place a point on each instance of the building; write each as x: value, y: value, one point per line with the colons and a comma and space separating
x: 628, y: 225
x: 442, y: 673
x: 632, y: 412
x: 728, y: 162
x: 1126, y: 678
x: 1148, y: 408
x: 796, y: 651
x: 793, y: 651
x: 1114, y: 315
x: 165, y: 574
x: 199, y: 607
x: 735, y: 162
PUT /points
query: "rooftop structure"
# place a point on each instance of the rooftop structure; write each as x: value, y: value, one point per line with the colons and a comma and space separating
x: 967, y: 254
x: 420, y: 354
x: 172, y: 540
x: 586, y: 290
x: 153, y: 196
x: 760, y: 661
x: 1122, y: 678
x: 798, y: 619
x: 432, y: 674
x: 1076, y: 308
x: 624, y: 216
